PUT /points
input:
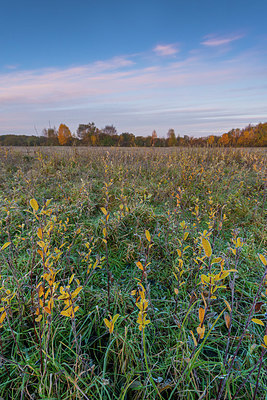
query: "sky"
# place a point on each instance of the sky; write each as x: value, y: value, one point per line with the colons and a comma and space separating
x: 199, y: 67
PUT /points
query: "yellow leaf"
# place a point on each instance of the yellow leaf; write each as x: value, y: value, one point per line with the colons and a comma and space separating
x: 107, y: 322
x: 222, y: 275
x: 139, y: 265
x: 206, y: 246
x: 114, y: 319
x: 104, y: 211
x: 227, y: 320
x: 5, y: 245
x: 34, y: 204
x: 48, y: 202
x: 233, y: 251
x: 228, y: 305
x: 62, y: 291
x: 51, y: 303
x: 194, y: 339
x: 216, y: 260
x: 76, y: 292
x: 66, y: 313
x: 201, y: 314
x: 203, y: 298
x: 104, y: 232
x: 148, y: 235
x: 257, y: 321
x: 201, y: 331
x: 71, y: 278
x: 186, y: 235
x: 263, y: 259
x: 3, y: 316
x: 40, y: 291
x: 38, y: 319
x: 40, y: 233
x: 239, y: 242
x: 206, y: 279
x: 63, y: 297
x: 265, y: 339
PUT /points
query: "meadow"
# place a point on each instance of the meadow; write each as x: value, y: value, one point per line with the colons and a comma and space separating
x: 130, y: 273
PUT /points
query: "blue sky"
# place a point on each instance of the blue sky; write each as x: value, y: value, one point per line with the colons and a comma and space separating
x: 199, y: 67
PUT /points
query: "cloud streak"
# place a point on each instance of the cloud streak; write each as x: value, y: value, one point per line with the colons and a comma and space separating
x: 135, y: 93
x: 166, y: 50
x: 215, y: 41
x: 108, y: 78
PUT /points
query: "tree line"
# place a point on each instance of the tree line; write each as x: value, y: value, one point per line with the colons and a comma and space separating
x: 90, y: 135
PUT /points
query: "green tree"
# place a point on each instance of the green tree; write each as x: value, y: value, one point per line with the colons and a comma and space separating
x: 171, y: 139
x: 86, y: 131
x: 51, y: 135
x: 110, y: 130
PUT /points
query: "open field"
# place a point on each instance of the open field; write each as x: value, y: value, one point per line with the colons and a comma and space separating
x: 133, y: 273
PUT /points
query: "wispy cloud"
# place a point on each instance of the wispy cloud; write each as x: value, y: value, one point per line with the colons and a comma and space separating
x: 166, y: 50
x: 11, y: 67
x: 92, y: 83
x: 113, y: 64
x: 214, y: 41
x: 136, y: 93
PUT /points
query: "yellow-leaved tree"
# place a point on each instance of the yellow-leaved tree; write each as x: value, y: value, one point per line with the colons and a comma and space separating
x: 64, y: 134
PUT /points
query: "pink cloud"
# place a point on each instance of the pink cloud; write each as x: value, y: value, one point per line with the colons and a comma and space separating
x: 165, y: 50
x: 11, y: 67
x: 91, y: 83
x: 214, y: 41
x: 125, y: 92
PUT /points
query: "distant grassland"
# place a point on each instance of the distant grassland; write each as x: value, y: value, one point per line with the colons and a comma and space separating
x: 131, y: 273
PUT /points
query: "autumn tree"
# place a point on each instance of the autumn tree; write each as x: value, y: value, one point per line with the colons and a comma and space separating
x: 171, y: 139
x: 211, y: 140
x: 88, y: 133
x: 154, y: 138
x: 64, y: 135
x: 224, y: 140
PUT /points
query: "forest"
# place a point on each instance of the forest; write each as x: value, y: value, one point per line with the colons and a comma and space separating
x: 90, y: 135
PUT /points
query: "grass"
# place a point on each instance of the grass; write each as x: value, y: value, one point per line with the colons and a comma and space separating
x: 133, y: 273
